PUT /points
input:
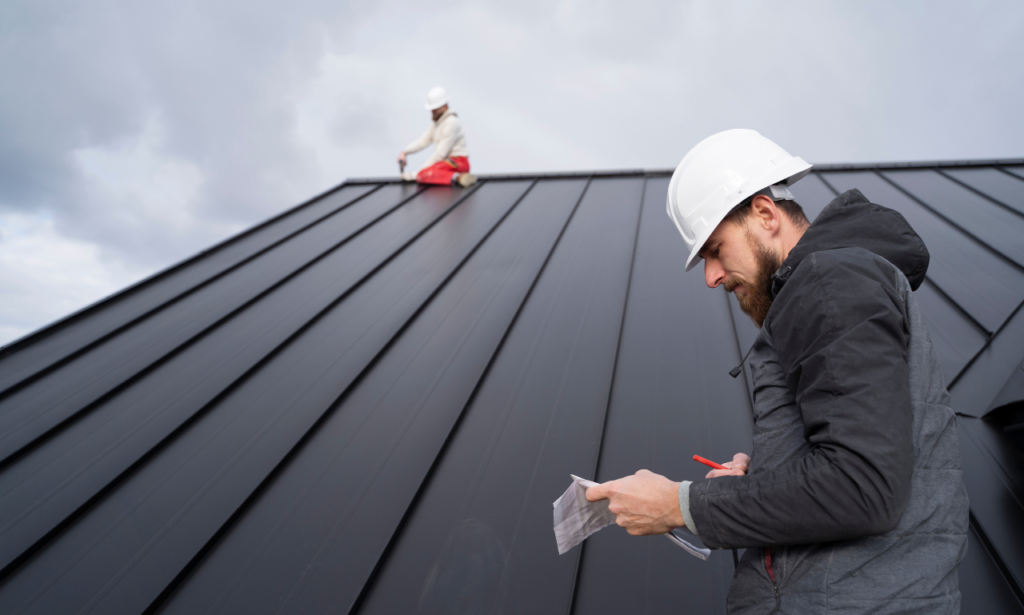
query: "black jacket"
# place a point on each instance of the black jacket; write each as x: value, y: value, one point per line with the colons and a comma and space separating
x: 838, y: 327
x: 855, y: 472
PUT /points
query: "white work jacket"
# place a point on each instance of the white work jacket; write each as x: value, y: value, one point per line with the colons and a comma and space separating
x: 446, y: 135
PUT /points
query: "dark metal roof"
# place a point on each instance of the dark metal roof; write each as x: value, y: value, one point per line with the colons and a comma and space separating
x: 368, y: 403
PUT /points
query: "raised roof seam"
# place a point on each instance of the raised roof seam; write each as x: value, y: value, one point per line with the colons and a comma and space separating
x: 949, y: 221
x: 979, y: 192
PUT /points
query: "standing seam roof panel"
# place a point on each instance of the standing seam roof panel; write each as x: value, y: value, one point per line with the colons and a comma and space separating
x: 355, y: 479
x: 479, y: 539
x: 991, y: 223
x: 955, y: 340
x: 1013, y: 170
x: 1003, y: 188
x: 672, y: 397
x: 47, y: 483
x: 180, y: 498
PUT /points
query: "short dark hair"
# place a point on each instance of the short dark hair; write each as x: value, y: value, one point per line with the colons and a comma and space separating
x: 792, y: 209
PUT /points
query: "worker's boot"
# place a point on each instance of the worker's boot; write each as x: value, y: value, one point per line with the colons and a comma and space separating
x: 465, y: 180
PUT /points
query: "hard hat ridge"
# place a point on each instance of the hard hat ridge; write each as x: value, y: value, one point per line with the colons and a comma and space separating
x: 718, y: 174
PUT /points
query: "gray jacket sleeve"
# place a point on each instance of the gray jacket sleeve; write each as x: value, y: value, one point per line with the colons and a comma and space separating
x: 839, y: 328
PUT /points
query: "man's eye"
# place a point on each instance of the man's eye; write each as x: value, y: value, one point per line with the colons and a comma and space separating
x: 715, y: 253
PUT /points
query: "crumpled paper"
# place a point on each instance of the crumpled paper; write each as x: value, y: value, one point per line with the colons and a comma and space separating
x: 576, y: 518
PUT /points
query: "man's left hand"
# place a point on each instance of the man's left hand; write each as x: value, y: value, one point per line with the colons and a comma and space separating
x: 737, y: 467
x: 645, y: 503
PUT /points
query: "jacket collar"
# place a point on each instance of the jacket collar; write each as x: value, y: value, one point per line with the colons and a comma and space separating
x: 444, y: 116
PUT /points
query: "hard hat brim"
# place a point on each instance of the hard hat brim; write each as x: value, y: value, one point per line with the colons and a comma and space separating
x: 430, y: 107
x: 694, y: 258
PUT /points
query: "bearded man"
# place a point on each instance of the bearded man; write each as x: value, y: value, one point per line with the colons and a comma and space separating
x: 852, y: 500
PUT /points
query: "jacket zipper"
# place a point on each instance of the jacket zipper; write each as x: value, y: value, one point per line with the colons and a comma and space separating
x: 771, y: 575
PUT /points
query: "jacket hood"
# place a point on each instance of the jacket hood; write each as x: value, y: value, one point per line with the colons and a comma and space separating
x: 850, y: 221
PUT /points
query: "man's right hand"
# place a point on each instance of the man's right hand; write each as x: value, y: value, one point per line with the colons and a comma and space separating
x: 737, y: 467
x: 401, y: 158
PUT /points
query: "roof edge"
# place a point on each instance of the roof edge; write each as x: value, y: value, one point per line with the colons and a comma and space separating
x: 932, y: 164
x: 522, y: 176
x: 828, y: 166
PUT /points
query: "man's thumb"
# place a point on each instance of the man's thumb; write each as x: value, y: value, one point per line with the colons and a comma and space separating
x: 595, y: 493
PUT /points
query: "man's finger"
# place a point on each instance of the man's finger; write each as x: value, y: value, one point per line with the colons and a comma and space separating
x: 740, y: 460
x: 717, y: 473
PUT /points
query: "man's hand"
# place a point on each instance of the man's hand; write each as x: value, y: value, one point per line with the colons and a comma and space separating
x: 645, y: 503
x: 401, y: 158
x: 737, y: 467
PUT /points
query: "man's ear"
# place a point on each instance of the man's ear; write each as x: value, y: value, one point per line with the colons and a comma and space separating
x: 765, y: 213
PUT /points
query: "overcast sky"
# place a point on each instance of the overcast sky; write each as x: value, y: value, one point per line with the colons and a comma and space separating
x: 134, y: 134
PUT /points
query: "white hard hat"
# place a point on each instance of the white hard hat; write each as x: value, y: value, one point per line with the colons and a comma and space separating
x: 718, y: 174
x: 436, y: 98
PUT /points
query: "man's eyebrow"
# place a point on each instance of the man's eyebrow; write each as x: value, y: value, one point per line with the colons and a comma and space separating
x: 704, y: 248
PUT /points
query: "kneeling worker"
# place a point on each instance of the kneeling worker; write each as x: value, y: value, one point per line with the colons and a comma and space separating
x: 852, y: 499
x: 449, y: 164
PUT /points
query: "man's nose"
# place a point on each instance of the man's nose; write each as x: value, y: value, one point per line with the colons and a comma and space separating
x: 713, y: 274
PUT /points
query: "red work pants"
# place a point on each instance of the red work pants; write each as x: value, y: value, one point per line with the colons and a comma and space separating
x: 440, y: 173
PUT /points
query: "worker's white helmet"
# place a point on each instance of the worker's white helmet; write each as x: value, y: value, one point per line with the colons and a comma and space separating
x: 718, y: 174
x: 436, y: 98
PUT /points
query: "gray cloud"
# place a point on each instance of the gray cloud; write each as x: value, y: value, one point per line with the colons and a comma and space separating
x: 150, y: 130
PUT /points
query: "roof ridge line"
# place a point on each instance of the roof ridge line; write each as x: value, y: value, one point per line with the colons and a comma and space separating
x: 829, y: 166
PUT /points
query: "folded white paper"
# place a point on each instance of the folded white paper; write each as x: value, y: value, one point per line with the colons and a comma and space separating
x: 576, y: 519
x: 692, y: 549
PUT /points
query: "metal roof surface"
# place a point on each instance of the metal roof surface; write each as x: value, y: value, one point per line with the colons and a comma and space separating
x: 368, y: 403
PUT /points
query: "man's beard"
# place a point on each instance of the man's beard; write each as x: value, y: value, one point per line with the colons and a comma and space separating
x: 758, y: 299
